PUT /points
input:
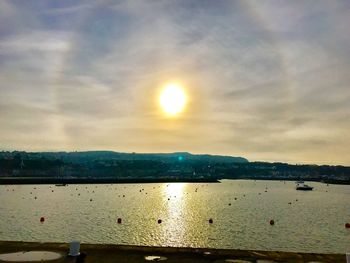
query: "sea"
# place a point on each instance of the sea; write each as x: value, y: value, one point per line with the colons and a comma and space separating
x: 232, y: 214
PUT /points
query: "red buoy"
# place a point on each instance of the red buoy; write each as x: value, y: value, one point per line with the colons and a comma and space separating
x: 211, y: 221
x: 119, y: 220
x: 159, y: 221
x: 42, y: 219
x: 347, y: 225
x: 272, y: 222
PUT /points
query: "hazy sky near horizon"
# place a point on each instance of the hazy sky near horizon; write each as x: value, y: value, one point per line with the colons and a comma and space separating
x: 266, y: 80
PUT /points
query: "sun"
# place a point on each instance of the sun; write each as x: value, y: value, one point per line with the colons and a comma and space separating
x: 172, y: 99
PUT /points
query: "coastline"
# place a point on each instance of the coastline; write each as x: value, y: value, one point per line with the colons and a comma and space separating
x: 41, y: 180
x: 129, y: 253
x: 53, y: 180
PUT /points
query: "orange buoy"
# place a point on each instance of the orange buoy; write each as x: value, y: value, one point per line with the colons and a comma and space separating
x: 347, y: 225
x: 42, y: 219
x: 159, y: 221
x: 119, y: 220
x: 211, y: 221
x: 272, y: 222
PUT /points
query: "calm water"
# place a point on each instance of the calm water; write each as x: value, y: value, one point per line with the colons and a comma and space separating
x: 313, y: 222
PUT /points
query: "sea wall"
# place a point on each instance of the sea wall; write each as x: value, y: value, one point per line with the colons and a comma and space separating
x: 129, y: 253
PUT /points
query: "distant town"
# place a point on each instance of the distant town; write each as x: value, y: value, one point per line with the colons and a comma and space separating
x: 19, y: 167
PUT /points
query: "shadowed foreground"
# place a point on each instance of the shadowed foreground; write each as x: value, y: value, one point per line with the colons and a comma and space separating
x: 124, y: 253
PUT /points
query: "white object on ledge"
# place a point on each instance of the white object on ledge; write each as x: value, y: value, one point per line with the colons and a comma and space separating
x: 74, y: 248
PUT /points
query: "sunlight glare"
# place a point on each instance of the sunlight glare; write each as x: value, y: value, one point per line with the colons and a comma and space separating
x: 172, y: 99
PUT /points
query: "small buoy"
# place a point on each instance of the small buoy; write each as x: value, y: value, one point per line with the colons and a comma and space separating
x: 90, y: 199
x: 229, y: 204
x: 289, y: 203
x: 272, y: 222
x: 42, y: 219
x: 119, y: 220
x: 159, y: 221
x: 347, y: 225
x: 51, y: 190
x: 211, y: 221
x: 235, y: 198
x: 123, y: 195
x: 35, y: 197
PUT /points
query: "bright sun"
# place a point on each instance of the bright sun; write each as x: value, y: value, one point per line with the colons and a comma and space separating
x: 172, y: 99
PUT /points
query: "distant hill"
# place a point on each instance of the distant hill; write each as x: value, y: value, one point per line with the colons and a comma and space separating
x: 116, y: 167
x: 165, y: 157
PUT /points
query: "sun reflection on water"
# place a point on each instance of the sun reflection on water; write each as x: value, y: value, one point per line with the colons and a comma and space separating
x: 174, y: 190
x: 174, y: 228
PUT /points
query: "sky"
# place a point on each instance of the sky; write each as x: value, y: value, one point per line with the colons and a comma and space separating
x: 266, y: 80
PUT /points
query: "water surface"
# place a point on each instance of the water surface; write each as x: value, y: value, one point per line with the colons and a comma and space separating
x: 240, y: 210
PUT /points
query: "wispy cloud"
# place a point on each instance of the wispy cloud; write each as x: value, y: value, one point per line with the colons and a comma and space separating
x: 266, y: 80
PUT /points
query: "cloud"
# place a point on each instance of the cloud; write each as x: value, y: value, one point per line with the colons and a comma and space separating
x: 266, y: 80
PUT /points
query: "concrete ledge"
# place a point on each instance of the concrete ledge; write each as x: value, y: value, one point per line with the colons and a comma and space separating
x: 129, y: 253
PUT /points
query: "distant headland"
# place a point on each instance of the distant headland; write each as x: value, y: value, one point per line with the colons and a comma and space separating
x: 19, y: 167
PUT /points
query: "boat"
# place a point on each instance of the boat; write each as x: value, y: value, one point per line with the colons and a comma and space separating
x: 303, y: 187
x: 60, y: 184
